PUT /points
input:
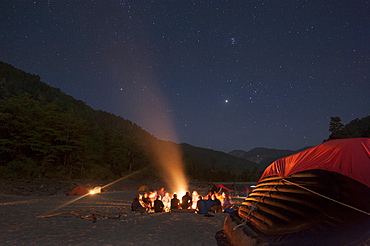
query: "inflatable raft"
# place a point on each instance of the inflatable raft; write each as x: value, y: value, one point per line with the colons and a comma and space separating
x: 320, y: 196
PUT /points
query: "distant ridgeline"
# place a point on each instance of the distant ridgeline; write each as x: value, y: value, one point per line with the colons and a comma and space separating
x: 357, y: 128
x: 264, y: 156
x: 45, y: 133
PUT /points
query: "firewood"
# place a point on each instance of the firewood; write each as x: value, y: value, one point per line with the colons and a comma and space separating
x: 93, y: 215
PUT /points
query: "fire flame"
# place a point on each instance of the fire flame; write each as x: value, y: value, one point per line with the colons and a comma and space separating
x: 168, y: 157
x: 95, y: 190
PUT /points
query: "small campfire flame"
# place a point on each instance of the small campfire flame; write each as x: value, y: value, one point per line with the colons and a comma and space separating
x: 95, y: 190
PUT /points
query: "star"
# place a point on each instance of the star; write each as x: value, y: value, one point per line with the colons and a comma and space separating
x: 271, y: 70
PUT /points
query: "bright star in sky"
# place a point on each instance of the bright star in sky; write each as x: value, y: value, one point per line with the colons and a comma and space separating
x: 279, y: 75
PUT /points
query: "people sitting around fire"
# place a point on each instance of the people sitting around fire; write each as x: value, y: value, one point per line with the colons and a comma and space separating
x: 158, y: 205
x: 161, y: 192
x: 217, y: 208
x: 186, y: 201
x: 214, y: 203
x: 136, y: 204
x: 209, y: 203
x: 201, y: 206
x: 166, y: 202
x: 194, y: 198
x: 175, y: 203
x: 146, y: 201
x: 226, y: 203
x: 153, y: 196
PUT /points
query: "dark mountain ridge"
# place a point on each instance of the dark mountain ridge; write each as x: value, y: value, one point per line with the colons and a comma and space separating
x: 264, y: 156
x: 217, y: 159
x: 45, y: 133
x: 356, y: 128
x: 48, y: 134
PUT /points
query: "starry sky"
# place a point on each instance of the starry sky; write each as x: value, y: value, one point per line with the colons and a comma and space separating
x: 224, y: 75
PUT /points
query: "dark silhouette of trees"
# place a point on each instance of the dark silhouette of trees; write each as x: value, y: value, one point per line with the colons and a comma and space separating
x: 45, y: 133
x: 335, y: 125
x: 355, y: 129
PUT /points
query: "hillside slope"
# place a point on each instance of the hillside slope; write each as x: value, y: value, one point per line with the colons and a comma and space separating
x: 45, y: 133
x: 263, y: 156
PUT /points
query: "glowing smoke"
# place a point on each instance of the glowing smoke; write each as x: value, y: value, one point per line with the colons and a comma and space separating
x: 167, y: 156
x: 142, y: 95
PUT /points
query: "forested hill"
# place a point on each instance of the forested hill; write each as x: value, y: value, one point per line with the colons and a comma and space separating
x: 357, y: 128
x: 45, y: 133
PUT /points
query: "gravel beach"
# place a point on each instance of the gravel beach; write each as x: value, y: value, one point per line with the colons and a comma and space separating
x: 20, y: 225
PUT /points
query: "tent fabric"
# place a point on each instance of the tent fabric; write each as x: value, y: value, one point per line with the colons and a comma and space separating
x: 349, y: 157
x: 79, y: 190
x: 223, y: 187
x: 143, y: 188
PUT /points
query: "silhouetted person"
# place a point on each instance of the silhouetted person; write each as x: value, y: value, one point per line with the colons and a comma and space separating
x: 209, y: 203
x: 217, y: 208
x: 186, y: 201
x: 158, y: 205
x: 136, y: 205
x: 175, y: 203
x: 226, y: 201
x: 166, y: 202
x: 201, y: 206
x: 146, y: 201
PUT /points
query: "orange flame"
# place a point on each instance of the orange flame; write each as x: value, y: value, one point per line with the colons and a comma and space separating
x: 168, y: 157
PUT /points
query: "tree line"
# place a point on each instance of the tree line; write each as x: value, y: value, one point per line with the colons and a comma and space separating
x: 42, y: 140
x: 357, y: 128
x: 45, y: 133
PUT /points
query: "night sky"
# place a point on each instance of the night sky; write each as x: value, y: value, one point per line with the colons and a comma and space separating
x: 223, y: 75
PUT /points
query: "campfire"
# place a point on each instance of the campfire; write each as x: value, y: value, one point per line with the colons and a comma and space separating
x: 96, y: 190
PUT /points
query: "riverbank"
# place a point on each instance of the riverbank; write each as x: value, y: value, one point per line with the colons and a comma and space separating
x: 21, y: 224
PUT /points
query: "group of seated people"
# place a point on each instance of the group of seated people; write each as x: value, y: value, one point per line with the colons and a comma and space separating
x: 161, y: 201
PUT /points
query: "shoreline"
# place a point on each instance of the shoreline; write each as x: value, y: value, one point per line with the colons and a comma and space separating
x: 20, y: 226
x: 50, y: 187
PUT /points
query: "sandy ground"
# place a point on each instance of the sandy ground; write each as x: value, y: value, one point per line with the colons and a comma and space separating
x: 19, y: 225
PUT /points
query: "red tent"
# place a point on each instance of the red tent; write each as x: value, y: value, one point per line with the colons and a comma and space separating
x: 79, y: 190
x: 350, y: 157
x: 222, y: 187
